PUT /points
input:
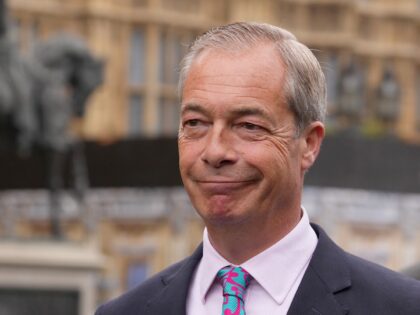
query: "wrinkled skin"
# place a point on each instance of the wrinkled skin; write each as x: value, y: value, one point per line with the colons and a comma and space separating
x: 241, y: 159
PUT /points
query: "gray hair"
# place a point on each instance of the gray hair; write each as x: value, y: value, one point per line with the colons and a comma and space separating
x: 304, y: 88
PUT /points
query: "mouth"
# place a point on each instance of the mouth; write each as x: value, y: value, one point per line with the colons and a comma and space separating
x: 223, y: 187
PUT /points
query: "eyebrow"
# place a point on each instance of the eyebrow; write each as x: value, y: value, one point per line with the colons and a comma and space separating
x: 250, y: 111
x: 236, y: 112
x: 193, y: 107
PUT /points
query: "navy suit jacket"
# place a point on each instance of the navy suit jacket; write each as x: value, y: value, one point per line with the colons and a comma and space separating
x: 335, y: 283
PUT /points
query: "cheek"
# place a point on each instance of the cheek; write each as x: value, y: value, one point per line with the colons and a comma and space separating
x: 278, y: 153
x: 188, y: 153
x: 268, y: 159
x: 183, y: 155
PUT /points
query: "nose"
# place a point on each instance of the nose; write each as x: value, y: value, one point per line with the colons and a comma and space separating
x: 219, y: 150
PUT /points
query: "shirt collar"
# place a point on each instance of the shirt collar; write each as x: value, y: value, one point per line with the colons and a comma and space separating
x: 211, y: 263
x: 287, y: 259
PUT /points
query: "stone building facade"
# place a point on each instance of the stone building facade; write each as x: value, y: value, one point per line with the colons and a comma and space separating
x: 369, y: 50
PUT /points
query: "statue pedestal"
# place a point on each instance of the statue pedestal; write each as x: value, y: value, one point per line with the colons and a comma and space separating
x: 48, y: 278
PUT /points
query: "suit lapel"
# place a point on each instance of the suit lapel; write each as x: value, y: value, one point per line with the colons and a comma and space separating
x: 312, y: 298
x: 171, y: 299
x: 327, y: 275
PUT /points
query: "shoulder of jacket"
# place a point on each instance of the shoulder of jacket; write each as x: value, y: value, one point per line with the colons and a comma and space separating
x: 135, y: 300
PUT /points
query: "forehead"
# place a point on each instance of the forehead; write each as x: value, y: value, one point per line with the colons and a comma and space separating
x: 254, y: 75
x: 259, y: 61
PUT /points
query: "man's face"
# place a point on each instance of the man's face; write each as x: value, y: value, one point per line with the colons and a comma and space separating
x: 240, y: 156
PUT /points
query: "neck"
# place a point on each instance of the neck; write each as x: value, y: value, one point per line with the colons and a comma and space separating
x: 252, y: 237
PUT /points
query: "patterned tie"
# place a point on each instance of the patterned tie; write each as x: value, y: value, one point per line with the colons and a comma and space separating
x: 234, y: 280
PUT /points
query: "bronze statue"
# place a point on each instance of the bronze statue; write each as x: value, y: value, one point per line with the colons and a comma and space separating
x: 40, y: 96
x: 17, y: 124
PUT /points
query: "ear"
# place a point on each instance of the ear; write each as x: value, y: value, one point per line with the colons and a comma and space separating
x: 311, y: 144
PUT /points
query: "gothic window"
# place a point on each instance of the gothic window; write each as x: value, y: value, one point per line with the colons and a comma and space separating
x: 136, y: 273
x: 137, y: 57
x: 136, y: 115
x: 171, y: 51
x: 136, y: 80
x: 418, y: 98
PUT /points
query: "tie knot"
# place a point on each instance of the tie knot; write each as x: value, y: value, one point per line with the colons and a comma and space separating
x: 234, y: 280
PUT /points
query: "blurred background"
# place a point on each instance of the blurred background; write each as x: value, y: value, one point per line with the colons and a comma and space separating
x: 91, y: 202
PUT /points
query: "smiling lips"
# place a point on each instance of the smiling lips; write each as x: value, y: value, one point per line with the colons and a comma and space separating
x: 222, y: 187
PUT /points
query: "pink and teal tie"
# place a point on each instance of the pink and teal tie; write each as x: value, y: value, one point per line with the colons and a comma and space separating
x: 234, y: 280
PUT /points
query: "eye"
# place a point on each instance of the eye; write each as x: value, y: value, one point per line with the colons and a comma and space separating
x: 192, y: 123
x: 250, y: 131
x: 194, y: 128
x: 250, y: 126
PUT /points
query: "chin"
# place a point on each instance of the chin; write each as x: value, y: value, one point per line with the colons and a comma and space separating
x: 219, y: 221
x: 221, y: 217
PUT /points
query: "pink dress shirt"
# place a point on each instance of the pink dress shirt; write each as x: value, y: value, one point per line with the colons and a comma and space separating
x: 277, y: 273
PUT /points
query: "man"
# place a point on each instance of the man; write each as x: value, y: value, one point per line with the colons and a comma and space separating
x: 253, y: 102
